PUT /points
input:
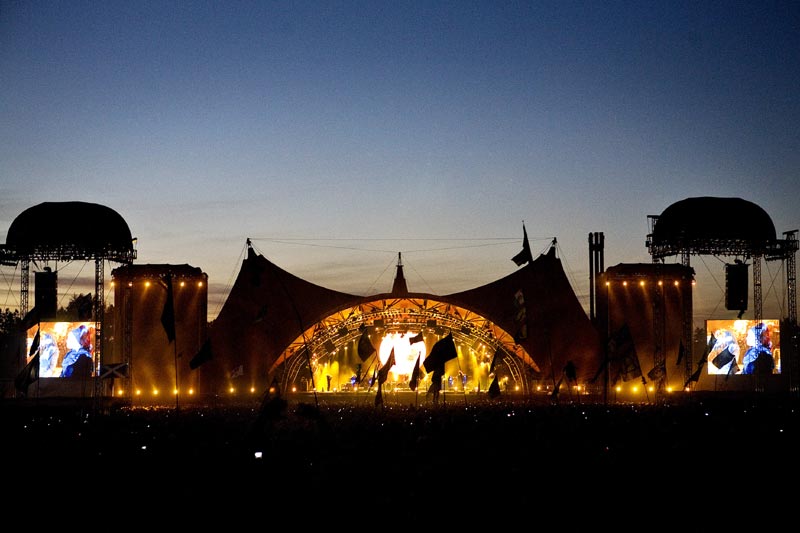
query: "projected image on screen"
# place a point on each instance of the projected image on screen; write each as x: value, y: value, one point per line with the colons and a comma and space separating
x: 743, y: 347
x: 66, y: 349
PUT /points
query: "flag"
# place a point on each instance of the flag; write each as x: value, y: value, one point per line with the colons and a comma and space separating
x: 379, y: 396
x: 681, y: 354
x: 442, y: 351
x: 238, y: 371
x: 494, y: 389
x: 436, y: 384
x: 694, y: 377
x: 557, y: 388
x: 623, y: 355
x: 416, y: 338
x: 383, y: 374
x: 570, y: 371
x: 28, y: 375
x: 412, y: 384
x: 657, y: 373
x: 202, y: 356
x: 168, y: 314
x: 365, y: 347
x: 494, y: 360
x: 114, y: 370
x: 525, y: 255
x: 35, y: 343
x: 600, y: 369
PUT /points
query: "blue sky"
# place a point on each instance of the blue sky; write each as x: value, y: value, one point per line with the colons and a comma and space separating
x: 337, y: 134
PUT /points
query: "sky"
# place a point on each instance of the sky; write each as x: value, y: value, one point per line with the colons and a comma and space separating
x: 337, y: 135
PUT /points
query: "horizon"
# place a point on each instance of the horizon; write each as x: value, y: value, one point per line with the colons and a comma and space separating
x: 363, y: 281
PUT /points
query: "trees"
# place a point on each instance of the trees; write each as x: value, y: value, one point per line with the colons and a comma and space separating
x: 80, y: 307
x: 9, y: 321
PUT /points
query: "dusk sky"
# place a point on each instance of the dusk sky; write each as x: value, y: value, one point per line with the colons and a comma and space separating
x: 337, y: 134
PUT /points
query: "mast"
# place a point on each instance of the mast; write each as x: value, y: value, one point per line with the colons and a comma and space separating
x: 399, y: 287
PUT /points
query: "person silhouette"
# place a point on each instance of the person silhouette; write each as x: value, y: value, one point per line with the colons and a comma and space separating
x: 77, y: 361
x: 48, y: 356
x: 758, y: 358
x: 724, y: 356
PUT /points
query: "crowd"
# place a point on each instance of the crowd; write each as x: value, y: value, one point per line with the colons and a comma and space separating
x: 513, y: 451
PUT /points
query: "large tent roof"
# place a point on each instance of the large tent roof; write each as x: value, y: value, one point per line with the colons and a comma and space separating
x: 558, y: 328
x: 268, y: 308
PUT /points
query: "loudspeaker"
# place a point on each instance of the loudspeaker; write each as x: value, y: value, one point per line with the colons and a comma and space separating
x: 46, y: 297
x: 736, y: 287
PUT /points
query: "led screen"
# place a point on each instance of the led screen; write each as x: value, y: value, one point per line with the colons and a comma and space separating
x: 742, y: 347
x: 66, y: 349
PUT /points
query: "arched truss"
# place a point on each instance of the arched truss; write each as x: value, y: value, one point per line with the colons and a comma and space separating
x: 324, y: 339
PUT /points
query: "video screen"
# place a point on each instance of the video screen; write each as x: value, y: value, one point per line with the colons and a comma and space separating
x: 742, y: 347
x: 66, y: 349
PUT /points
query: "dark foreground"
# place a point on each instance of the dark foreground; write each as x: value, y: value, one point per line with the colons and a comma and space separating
x: 718, y: 456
